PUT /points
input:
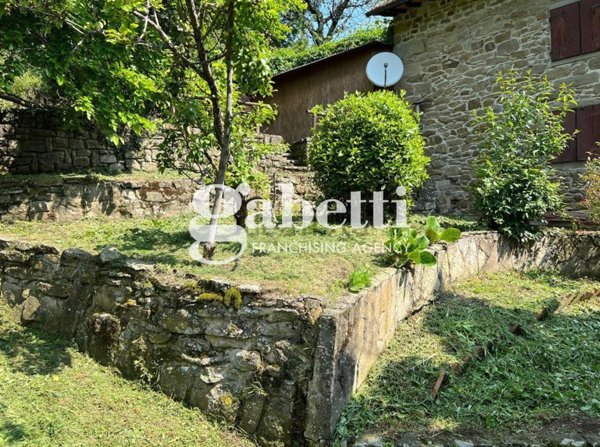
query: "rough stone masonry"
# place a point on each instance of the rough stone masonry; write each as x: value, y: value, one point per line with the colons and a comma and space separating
x: 453, y: 51
x: 282, y: 368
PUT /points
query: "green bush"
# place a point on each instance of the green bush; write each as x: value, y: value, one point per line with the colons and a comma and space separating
x: 513, y: 177
x: 368, y: 142
x: 592, y: 189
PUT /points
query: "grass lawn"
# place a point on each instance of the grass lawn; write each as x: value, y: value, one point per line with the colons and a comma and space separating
x: 552, y: 371
x: 274, y: 258
x: 51, y: 395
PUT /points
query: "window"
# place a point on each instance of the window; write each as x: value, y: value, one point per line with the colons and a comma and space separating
x: 575, y: 29
x: 587, y: 121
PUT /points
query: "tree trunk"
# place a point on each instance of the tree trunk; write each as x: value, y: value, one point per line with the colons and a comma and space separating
x: 224, y: 138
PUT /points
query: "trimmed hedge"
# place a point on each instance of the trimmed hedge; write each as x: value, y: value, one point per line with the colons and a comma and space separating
x: 368, y: 142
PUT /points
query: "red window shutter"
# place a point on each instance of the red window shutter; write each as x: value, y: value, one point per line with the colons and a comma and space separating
x: 570, y: 153
x: 566, y: 32
x: 588, y: 123
x: 590, y: 26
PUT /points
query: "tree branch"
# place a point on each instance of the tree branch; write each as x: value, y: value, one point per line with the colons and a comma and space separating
x: 16, y: 99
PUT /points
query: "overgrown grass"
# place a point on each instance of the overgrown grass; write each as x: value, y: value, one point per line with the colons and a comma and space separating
x: 552, y: 371
x: 51, y: 395
x: 314, y: 261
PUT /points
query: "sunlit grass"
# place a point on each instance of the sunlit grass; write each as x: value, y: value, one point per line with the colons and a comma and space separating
x: 551, y: 371
x: 51, y: 395
x: 313, y: 261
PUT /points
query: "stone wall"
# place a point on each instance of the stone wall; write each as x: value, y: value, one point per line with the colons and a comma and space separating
x: 355, y: 330
x: 62, y: 199
x: 453, y: 50
x: 39, y: 142
x: 281, y: 368
x: 247, y: 364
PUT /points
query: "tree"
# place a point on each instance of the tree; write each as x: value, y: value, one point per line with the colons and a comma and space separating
x: 57, y: 55
x: 324, y: 20
x: 191, y: 62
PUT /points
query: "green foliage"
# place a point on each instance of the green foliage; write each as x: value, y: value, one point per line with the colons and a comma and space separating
x: 144, y: 66
x: 592, y: 189
x: 233, y: 296
x: 513, y: 177
x: 435, y: 232
x: 300, y: 54
x: 408, y: 246
x: 57, y: 54
x: 360, y: 279
x: 368, y: 142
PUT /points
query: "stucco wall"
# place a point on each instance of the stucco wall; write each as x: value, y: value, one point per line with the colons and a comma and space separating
x: 453, y: 50
x: 325, y: 82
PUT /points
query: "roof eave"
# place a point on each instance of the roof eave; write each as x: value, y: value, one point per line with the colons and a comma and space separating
x: 375, y: 44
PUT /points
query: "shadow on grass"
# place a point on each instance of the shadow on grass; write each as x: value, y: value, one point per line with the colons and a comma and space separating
x: 159, y: 246
x: 155, y: 245
x: 521, y: 382
x: 33, y: 352
x: 12, y: 433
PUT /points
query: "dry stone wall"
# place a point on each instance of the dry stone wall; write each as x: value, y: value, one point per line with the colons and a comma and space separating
x: 248, y: 365
x: 453, y: 50
x: 281, y: 368
x: 56, y: 198
x: 39, y: 142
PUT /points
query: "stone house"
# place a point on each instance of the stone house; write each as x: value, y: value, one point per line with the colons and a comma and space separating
x: 453, y: 50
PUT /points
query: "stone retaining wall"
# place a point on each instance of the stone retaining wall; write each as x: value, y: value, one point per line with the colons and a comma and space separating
x: 281, y: 368
x: 248, y: 365
x: 39, y: 142
x: 63, y: 199
x: 355, y: 330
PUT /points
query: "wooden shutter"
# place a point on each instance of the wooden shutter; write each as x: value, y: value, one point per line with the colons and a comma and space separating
x: 566, y: 31
x: 570, y: 153
x: 590, y: 26
x: 588, y: 123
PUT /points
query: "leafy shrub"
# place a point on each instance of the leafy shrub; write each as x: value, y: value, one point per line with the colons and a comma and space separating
x: 407, y: 246
x: 368, y: 142
x: 592, y: 189
x: 360, y: 279
x: 513, y: 177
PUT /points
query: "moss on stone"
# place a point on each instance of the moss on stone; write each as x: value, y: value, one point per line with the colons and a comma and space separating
x: 209, y: 296
x: 233, y: 296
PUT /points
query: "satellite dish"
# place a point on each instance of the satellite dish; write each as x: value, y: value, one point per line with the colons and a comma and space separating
x: 385, y: 69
